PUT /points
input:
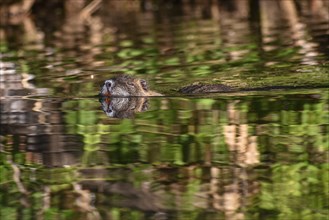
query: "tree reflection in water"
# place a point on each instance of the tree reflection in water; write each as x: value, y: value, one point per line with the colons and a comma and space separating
x: 251, y: 155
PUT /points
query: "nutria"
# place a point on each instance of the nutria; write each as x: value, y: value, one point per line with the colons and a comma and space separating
x: 124, y: 95
x: 128, y: 86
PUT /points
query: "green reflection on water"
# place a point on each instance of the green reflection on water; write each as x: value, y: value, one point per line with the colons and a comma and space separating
x: 244, y: 155
x: 262, y: 157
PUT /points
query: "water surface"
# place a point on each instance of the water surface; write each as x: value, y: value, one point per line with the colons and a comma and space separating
x: 237, y: 156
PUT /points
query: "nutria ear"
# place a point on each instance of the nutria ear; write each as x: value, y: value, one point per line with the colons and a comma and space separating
x: 144, y: 84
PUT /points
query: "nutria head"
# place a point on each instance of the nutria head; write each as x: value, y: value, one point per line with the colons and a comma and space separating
x: 124, y: 85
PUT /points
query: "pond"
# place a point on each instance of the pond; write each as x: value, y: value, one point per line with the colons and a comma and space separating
x: 258, y: 152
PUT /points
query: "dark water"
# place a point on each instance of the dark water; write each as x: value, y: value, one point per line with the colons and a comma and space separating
x: 234, y: 156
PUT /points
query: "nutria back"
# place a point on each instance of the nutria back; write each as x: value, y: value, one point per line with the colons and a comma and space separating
x: 204, y: 88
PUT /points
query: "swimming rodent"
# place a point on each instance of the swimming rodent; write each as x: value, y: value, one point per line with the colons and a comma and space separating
x: 128, y: 86
x: 124, y: 95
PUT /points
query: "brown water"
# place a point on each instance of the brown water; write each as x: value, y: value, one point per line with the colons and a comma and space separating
x: 234, y: 156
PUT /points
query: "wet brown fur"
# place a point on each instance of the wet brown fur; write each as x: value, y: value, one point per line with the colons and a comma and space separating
x: 126, y: 86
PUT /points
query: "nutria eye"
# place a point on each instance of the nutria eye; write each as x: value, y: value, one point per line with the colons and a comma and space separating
x: 130, y: 83
x: 108, y: 83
